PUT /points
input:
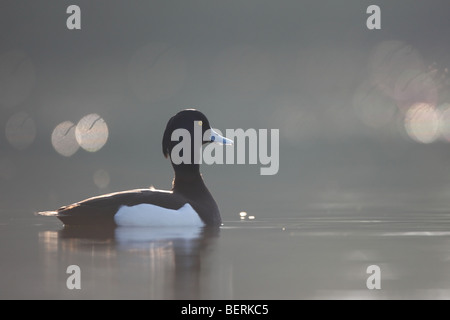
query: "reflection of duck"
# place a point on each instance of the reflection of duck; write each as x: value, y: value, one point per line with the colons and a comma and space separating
x: 175, y: 254
x: 189, y: 203
x: 135, y: 238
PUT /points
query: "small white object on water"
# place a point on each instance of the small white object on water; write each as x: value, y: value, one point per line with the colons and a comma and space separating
x: 243, y: 215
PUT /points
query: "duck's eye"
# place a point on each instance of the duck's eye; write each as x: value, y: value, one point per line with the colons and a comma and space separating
x: 200, y: 123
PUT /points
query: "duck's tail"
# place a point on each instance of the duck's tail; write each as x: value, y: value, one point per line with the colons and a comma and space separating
x: 47, y: 213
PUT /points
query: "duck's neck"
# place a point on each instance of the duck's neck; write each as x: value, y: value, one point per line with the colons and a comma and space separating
x: 189, y: 181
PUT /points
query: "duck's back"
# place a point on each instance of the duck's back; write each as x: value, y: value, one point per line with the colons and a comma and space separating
x: 102, y: 210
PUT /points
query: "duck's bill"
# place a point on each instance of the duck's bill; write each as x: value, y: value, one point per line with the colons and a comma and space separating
x: 217, y: 138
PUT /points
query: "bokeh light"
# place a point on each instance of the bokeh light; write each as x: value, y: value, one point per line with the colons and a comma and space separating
x: 389, y: 60
x: 416, y: 85
x: 20, y: 130
x: 17, y: 77
x: 156, y: 72
x: 244, y: 216
x: 101, y: 178
x: 91, y: 132
x: 422, y: 122
x: 63, y: 139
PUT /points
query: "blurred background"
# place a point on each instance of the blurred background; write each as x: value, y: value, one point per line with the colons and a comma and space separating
x: 364, y: 115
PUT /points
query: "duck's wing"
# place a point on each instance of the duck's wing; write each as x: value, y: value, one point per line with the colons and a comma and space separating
x: 101, y: 210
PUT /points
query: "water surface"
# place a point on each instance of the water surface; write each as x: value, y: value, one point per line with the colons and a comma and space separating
x: 320, y: 254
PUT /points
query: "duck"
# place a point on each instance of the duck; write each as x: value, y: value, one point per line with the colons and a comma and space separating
x: 188, y: 203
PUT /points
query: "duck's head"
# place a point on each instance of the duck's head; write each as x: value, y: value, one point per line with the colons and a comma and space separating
x: 196, y: 126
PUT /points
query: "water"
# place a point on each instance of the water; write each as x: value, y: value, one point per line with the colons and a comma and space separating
x: 327, y: 216
x: 322, y: 254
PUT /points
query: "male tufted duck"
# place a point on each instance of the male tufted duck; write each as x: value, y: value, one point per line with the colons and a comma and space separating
x: 189, y: 203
